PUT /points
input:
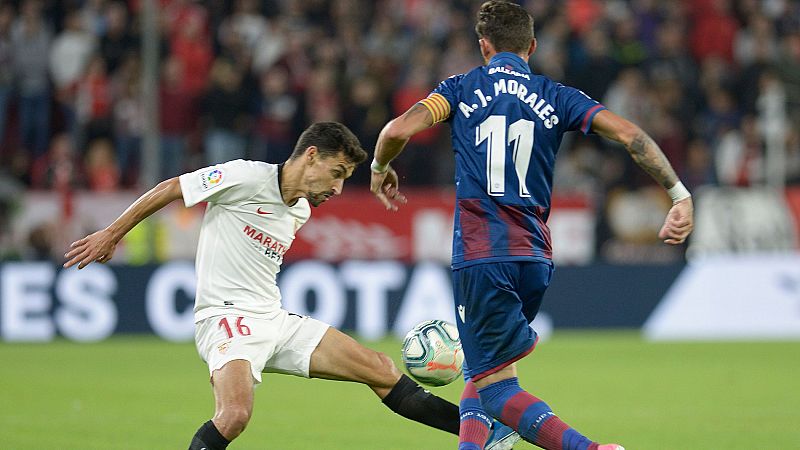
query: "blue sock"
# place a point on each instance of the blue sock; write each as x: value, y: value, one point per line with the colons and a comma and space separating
x: 530, y: 417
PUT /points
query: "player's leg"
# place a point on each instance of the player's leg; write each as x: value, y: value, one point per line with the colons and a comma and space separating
x: 478, y: 428
x: 233, y: 397
x: 495, y: 334
x: 314, y: 349
x: 340, y: 357
x: 475, y: 422
x: 235, y: 355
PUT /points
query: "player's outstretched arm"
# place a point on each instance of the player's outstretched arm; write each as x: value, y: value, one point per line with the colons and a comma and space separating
x: 100, y: 246
x: 391, y: 141
x: 646, y: 153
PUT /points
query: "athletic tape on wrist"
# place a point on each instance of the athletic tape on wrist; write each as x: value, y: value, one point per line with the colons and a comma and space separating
x: 378, y: 167
x: 678, y: 192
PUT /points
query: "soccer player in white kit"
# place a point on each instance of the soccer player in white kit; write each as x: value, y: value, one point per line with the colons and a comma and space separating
x: 254, y: 210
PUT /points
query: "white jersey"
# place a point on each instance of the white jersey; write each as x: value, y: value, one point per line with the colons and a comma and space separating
x: 245, y: 233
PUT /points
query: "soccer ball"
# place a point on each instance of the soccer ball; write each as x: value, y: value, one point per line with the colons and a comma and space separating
x: 432, y: 353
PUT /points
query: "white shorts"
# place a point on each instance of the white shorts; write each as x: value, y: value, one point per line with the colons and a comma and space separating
x: 281, y: 344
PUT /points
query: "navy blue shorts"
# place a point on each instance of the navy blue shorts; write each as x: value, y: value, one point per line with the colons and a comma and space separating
x: 495, y: 303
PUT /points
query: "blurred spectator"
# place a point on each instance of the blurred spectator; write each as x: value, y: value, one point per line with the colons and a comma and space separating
x: 671, y: 60
x: 118, y: 40
x: 629, y: 97
x: 648, y: 18
x: 595, y: 69
x: 242, y: 32
x: 459, y: 57
x: 719, y: 116
x: 100, y: 166
x: 757, y: 38
x: 415, y: 163
x: 93, y: 17
x: 668, y: 133
x: 699, y: 168
x: 58, y: 169
x: 772, y: 124
x: 192, y: 48
x: 31, y: 38
x: 276, y: 110
x: 40, y: 243
x: 698, y: 75
x: 367, y: 109
x: 94, y: 100
x: 128, y: 126
x: 417, y: 85
x: 789, y: 69
x: 716, y: 74
x: 6, y: 67
x: 551, y: 56
x: 576, y: 170
x: 69, y: 56
x: 322, y: 96
x: 628, y: 49
x: 761, y: 59
x: 292, y: 62
x: 385, y: 37
x: 583, y: 14
x: 178, y: 115
x: 177, y: 14
x: 793, y: 156
x: 225, y: 108
x: 740, y: 155
x: 271, y: 47
x: 714, y: 29
x: 326, y: 53
x: 245, y: 23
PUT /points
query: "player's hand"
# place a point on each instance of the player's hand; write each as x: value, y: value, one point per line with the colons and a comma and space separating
x: 679, y: 222
x: 97, y: 246
x: 385, y: 187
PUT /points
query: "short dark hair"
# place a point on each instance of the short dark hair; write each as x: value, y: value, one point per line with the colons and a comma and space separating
x: 506, y: 25
x: 331, y: 139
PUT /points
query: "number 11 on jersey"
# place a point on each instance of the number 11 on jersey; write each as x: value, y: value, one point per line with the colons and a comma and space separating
x: 520, y: 133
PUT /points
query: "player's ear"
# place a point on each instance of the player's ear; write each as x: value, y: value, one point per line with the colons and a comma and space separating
x: 311, y: 154
x: 486, y: 48
x: 532, y: 47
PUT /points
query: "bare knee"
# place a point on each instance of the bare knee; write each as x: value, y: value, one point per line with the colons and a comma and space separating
x: 232, y: 420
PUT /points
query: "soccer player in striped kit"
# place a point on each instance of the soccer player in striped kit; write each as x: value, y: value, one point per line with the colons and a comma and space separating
x: 506, y: 126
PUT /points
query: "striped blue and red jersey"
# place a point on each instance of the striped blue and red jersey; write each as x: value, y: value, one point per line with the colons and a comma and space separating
x: 506, y: 126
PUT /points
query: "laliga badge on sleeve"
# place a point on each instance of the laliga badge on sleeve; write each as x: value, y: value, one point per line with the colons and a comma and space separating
x: 210, y: 179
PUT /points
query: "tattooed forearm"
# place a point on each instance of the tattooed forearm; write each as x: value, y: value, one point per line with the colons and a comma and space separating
x: 648, y: 156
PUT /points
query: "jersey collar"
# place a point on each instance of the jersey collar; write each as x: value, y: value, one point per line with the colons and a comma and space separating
x: 512, y: 59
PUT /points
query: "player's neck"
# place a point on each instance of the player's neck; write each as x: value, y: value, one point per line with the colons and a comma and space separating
x: 290, y: 175
x: 488, y: 56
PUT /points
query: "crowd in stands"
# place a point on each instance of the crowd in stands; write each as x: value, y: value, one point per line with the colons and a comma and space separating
x: 243, y: 78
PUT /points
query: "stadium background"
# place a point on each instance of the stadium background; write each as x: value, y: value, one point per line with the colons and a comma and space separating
x: 101, y: 99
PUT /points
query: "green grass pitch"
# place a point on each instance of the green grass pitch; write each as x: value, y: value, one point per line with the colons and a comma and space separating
x: 143, y: 393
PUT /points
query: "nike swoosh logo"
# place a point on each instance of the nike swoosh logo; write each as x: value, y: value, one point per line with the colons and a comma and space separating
x: 262, y: 212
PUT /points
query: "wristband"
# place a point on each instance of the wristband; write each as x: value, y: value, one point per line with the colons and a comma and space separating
x: 378, y: 167
x: 678, y: 192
